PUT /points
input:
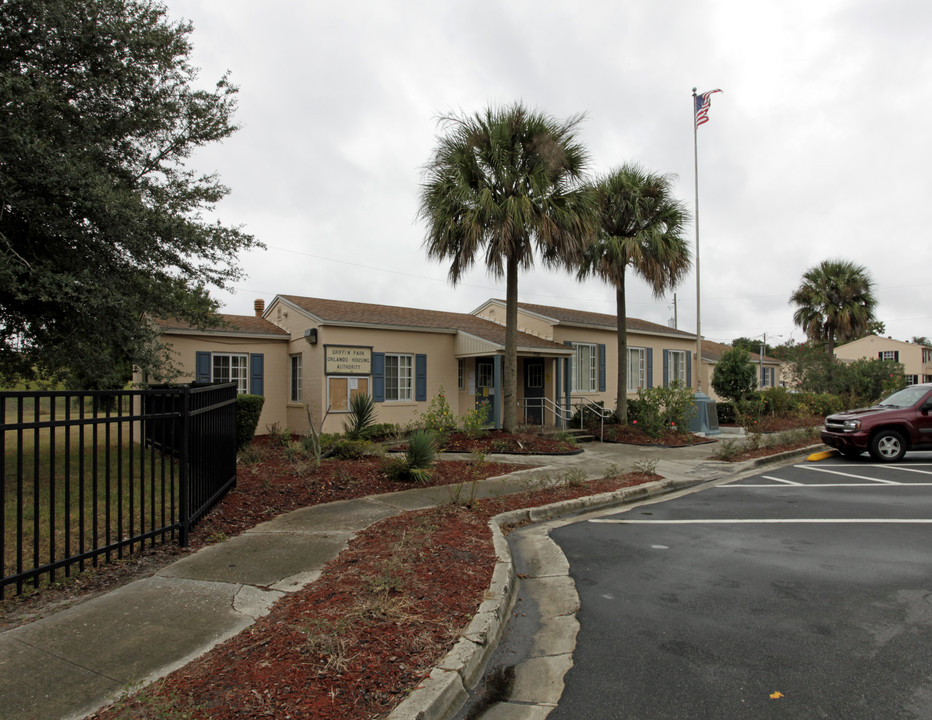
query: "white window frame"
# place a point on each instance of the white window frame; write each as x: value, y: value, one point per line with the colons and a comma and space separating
x: 485, y: 374
x: 888, y: 355
x: 676, y: 367
x: 461, y: 374
x: 295, y: 363
x: 637, y: 368
x: 585, y: 373
x: 912, y: 380
x: 232, y: 367
x: 399, y: 377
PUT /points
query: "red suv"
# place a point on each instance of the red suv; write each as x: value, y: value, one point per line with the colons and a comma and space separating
x: 887, y: 430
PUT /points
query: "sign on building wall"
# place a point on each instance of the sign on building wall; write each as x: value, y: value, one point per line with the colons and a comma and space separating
x: 347, y: 360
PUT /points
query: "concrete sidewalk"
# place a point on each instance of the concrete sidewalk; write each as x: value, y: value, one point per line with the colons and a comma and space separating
x: 71, y: 663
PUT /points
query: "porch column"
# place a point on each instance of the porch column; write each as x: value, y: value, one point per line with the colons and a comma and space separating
x: 567, y: 384
x: 558, y: 395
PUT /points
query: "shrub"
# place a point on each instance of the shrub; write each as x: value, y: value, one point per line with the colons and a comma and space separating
x: 474, y: 422
x: 778, y: 401
x: 727, y: 412
x: 438, y: 418
x: 659, y: 409
x: 734, y: 377
x: 361, y: 416
x: 248, y: 409
x: 418, y: 459
x: 348, y: 449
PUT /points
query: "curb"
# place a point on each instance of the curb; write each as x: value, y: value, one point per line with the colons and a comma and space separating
x: 445, y: 691
x: 447, y: 687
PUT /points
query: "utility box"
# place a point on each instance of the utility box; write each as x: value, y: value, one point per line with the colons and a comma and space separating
x: 705, y: 418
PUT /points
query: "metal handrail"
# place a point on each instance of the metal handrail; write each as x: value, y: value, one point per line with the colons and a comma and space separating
x: 565, y: 415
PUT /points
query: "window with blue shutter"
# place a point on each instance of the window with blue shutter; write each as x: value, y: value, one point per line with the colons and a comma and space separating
x: 420, y: 378
x: 602, y: 367
x: 257, y: 374
x: 202, y: 367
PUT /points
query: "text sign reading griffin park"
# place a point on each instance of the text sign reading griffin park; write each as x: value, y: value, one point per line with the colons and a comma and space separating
x: 347, y: 360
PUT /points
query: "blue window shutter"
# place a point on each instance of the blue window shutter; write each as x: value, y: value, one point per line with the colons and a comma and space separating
x: 202, y: 367
x: 601, y: 367
x: 666, y: 368
x: 650, y: 367
x: 257, y: 374
x: 378, y: 377
x: 420, y: 378
x: 689, y: 369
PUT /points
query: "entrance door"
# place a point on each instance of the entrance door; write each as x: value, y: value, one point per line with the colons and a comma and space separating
x: 534, y: 390
x: 485, y: 389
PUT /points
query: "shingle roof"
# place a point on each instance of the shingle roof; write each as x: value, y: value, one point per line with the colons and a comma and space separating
x: 584, y: 317
x: 231, y: 324
x: 342, y: 312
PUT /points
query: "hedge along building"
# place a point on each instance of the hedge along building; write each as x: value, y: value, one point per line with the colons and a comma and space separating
x: 311, y: 355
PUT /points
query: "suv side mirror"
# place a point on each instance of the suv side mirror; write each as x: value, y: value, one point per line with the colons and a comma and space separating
x: 926, y: 406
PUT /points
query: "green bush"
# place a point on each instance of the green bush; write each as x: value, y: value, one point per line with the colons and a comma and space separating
x: 778, y: 401
x: 248, y: 409
x: 727, y: 412
x: 438, y: 418
x: 418, y: 459
x: 349, y: 449
x: 474, y: 422
x: 659, y: 409
x: 734, y: 376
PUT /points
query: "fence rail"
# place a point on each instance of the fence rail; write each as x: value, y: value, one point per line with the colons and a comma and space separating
x: 89, y: 477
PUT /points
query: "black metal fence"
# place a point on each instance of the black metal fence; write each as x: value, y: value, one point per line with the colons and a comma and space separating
x: 88, y: 477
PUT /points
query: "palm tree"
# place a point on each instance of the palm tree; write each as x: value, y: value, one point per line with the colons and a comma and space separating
x: 504, y: 183
x: 641, y: 228
x: 835, y: 303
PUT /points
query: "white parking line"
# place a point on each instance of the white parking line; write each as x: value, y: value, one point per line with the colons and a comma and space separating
x: 819, y: 486
x: 910, y: 469
x: 850, y: 475
x: 772, y: 521
x: 776, y: 479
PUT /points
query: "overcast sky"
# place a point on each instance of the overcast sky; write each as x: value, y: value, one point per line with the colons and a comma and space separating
x: 817, y: 148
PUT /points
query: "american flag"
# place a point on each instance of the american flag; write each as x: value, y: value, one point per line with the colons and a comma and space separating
x: 702, y: 107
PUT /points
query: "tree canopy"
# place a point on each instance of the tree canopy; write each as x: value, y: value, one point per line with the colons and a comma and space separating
x: 504, y: 184
x: 641, y: 228
x: 734, y: 377
x: 835, y: 303
x: 101, y: 224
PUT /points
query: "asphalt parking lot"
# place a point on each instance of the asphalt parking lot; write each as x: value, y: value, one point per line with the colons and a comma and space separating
x: 802, y: 592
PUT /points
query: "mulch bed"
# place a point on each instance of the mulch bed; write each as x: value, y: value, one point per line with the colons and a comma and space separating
x: 353, y: 644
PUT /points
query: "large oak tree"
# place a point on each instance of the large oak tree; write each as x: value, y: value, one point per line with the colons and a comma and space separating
x: 100, y: 221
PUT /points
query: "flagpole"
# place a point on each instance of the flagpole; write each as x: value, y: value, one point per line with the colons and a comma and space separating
x: 698, y: 314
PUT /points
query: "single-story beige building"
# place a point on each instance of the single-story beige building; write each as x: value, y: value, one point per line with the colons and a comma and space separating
x: 311, y: 355
x: 769, y: 370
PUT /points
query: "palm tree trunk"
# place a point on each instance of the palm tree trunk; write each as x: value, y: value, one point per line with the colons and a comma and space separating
x: 621, y: 399
x: 510, y: 381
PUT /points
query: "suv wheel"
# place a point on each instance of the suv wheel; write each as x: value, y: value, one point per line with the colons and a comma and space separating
x: 887, y: 446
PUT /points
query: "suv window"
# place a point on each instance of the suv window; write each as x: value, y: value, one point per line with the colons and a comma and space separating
x: 905, y: 398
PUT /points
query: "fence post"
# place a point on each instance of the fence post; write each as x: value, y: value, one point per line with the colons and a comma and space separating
x: 184, y: 488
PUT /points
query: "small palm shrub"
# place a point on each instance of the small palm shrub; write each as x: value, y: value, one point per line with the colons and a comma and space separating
x: 417, y: 463
x: 361, y: 416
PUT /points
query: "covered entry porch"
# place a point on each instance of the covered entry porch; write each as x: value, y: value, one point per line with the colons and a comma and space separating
x: 543, y: 387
